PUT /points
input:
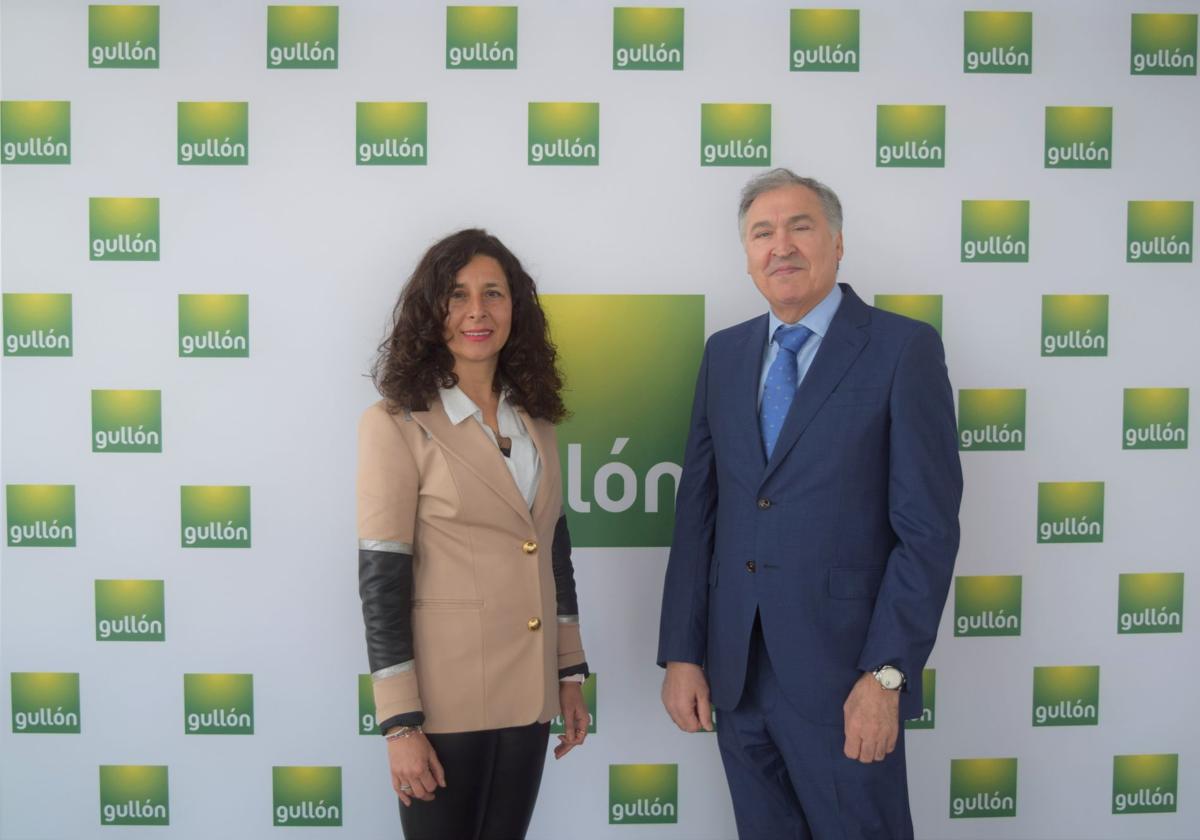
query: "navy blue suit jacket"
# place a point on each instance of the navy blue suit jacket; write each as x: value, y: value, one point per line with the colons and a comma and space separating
x: 844, y: 541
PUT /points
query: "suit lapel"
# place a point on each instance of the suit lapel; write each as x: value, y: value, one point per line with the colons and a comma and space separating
x: 470, y: 445
x: 745, y: 403
x: 841, y: 345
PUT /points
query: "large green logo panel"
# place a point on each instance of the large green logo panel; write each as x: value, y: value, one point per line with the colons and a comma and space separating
x: 630, y: 365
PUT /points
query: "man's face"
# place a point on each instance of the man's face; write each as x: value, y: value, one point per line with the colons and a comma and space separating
x: 791, y: 253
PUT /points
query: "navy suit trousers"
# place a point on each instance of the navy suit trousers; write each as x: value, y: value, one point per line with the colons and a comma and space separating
x: 790, y: 779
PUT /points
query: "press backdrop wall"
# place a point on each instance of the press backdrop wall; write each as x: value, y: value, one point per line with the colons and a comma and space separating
x: 163, y: 669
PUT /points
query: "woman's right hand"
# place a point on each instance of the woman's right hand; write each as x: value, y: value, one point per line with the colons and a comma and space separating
x: 416, y: 771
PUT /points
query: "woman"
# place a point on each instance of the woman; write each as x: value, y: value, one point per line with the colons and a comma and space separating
x: 465, y: 573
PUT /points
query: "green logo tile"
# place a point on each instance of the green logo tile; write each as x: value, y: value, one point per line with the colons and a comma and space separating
x: 37, y: 325
x: 735, y: 134
x: 123, y: 229
x: 1155, y: 418
x: 1074, y: 325
x: 910, y: 136
x: 215, y: 516
x: 643, y: 793
x: 647, y: 38
x: 45, y: 703
x: 126, y: 421
x: 218, y: 704
x: 1070, y: 512
x: 214, y: 326
x: 130, y: 611
x: 1163, y: 45
x: 824, y: 40
x: 35, y: 131
x: 307, y: 796
x: 622, y: 447
x: 481, y: 37
x: 1159, y: 231
x: 983, y: 787
x: 1150, y: 603
x: 367, y: 725
x: 997, y: 42
x: 391, y: 134
x: 123, y: 37
x: 927, y: 308
x: 987, y: 605
x: 1078, y: 137
x: 1145, y: 784
x: 213, y: 134
x: 134, y: 795
x: 991, y: 419
x: 589, y: 697
x: 302, y: 37
x: 928, y: 700
x: 564, y: 133
x: 1067, y: 695
x: 40, y: 515
x: 995, y: 231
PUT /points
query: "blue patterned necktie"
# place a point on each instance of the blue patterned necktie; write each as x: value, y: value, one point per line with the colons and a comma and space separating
x: 780, y: 387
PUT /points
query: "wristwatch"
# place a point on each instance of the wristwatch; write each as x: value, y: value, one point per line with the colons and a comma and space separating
x: 890, y: 677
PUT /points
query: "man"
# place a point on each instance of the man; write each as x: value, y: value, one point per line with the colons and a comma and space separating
x: 815, y: 531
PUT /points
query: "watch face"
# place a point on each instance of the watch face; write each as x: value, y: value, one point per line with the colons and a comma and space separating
x: 889, y: 677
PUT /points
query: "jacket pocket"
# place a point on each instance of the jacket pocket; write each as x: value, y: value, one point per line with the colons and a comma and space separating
x: 447, y: 603
x: 856, y: 396
x: 855, y: 581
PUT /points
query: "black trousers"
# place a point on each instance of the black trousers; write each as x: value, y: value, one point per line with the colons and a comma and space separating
x: 492, y: 781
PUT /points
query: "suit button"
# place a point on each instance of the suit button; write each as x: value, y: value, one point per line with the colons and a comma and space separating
x: 750, y: 567
x: 535, y: 623
x: 529, y: 547
x: 763, y: 504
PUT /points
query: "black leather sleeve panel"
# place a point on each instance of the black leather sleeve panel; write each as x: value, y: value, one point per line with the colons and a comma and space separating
x: 564, y: 572
x: 385, y: 584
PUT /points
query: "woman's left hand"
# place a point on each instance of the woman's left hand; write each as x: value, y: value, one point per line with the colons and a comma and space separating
x: 575, y: 717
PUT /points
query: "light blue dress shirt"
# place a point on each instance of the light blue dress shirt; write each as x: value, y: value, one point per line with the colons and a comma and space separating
x: 817, y: 320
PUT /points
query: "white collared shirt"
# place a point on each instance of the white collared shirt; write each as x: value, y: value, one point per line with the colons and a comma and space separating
x: 523, y: 461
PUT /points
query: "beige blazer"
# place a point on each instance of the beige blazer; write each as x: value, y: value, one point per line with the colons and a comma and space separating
x: 487, y: 645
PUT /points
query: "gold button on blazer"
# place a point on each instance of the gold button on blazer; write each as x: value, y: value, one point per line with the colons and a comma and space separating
x: 482, y: 572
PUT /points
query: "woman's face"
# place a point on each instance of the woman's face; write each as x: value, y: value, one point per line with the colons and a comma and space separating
x: 480, y: 313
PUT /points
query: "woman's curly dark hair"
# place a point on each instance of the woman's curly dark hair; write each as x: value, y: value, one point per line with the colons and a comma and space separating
x: 414, y: 362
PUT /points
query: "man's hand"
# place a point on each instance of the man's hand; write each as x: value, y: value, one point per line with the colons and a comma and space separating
x: 575, y: 717
x: 685, y: 696
x: 872, y: 716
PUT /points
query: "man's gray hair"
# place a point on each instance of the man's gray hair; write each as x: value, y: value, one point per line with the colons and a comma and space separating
x: 780, y: 177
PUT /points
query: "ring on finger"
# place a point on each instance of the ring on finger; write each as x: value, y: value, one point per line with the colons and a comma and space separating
x: 406, y: 788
